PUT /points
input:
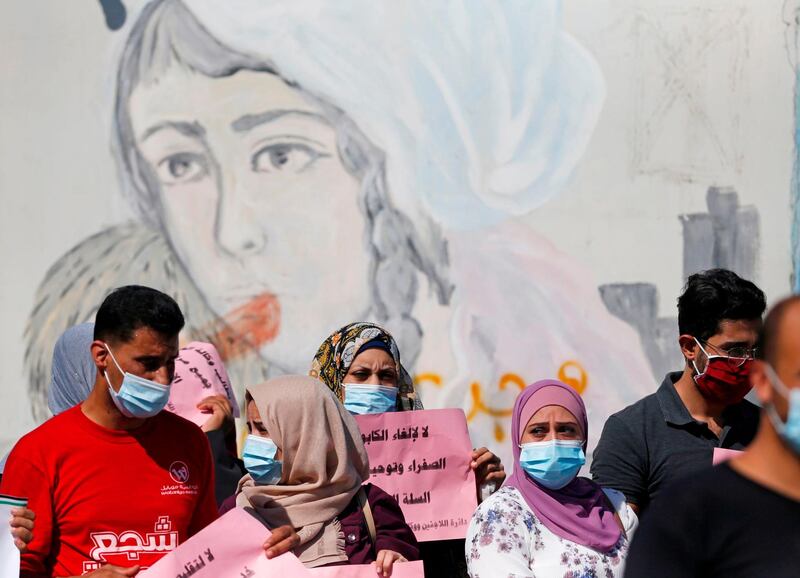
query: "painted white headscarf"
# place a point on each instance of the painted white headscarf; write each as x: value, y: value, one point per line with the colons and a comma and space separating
x: 484, y: 107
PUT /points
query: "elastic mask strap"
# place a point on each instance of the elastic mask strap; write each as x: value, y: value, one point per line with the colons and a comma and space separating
x: 777, y: 382
x: 114, y: 359
x: 708, y: 357
x: 779, y: 386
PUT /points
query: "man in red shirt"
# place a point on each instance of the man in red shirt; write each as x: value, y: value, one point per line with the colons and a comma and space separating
x: 115, y: 482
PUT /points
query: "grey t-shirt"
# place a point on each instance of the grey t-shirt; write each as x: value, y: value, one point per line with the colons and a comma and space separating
x: 656, y: 440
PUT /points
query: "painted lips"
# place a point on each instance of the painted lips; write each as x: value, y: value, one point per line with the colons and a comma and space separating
x: 249, y: 326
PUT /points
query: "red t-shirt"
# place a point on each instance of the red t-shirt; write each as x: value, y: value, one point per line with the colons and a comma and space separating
x: 106, y: 496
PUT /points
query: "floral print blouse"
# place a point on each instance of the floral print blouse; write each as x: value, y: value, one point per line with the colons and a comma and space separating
x: 506, y: 540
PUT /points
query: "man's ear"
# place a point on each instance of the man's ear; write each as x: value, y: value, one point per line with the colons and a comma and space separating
x: 689, y: 347
x: 760, y: 380
x: 100, y: 355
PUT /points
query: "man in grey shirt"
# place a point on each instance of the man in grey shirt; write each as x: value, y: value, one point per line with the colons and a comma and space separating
x: 674, y: 431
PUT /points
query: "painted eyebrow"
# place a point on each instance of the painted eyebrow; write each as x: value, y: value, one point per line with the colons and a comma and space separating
x: 190, y: 129
x: 248, y: 122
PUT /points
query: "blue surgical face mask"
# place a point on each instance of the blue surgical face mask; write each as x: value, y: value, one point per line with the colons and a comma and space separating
x: 137, y: 397
x: 360, y: 399
x: 789, y: 430
x: 553, y: 463
x: 259, y: 460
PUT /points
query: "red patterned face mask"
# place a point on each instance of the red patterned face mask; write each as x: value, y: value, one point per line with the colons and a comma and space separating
x: 726, y: 380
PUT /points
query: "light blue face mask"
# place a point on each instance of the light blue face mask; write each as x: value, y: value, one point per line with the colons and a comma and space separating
x: 790, y: 429
x: 137, y: 397
x: 553, y: 463
x: 362, y: 399
x: 259, y: 460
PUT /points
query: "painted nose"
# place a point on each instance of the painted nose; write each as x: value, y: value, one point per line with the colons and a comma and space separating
x: 238, y: 234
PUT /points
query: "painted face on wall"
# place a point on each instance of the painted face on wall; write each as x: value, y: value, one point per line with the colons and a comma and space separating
x: 257, y: 205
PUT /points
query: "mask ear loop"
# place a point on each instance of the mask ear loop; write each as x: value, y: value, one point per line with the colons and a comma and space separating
x: 114, y: 359
x: 105, y: 371
x: 778, y: 384
x: 698, y: 373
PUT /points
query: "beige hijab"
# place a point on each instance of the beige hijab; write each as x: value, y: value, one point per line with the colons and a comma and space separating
x: 324, y: 465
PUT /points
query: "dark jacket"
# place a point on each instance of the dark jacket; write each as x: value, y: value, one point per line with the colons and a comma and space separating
x: 228, y: 469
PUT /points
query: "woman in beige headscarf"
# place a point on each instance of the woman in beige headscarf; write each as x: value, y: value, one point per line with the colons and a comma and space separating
x: 306, y: 465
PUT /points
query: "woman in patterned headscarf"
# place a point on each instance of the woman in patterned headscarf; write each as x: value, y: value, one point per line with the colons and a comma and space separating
x: 334, y: 364
x: 361, y: 364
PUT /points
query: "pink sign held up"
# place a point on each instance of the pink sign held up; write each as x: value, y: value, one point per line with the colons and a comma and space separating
x: 423, y: 458
x: 199, y: 373
x: 231, y: 546
x: 399, y: 570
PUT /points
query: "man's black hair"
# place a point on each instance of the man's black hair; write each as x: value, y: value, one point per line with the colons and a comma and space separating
x: 132, y: 307
x: 716, y: 295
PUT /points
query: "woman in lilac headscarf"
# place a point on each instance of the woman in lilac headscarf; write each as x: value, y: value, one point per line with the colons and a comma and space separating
x: 546, y: 521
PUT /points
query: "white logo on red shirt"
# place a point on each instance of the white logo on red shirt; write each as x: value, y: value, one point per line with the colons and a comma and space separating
x: 129, y: 548
x: 179, y: 472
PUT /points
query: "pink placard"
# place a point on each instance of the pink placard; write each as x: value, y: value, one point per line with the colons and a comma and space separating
x: 231, y: 546
x: 423, y: 458
x: 199, y: 373
x: 723, y: 455
x: 399, y: 570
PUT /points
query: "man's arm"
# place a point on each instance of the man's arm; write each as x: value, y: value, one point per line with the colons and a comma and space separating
x: 22, y: 478
x: 620, y: 462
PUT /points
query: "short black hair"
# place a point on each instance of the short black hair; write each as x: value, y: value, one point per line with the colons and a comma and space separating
x: 129, y: 308
x: 770, y: 331
x: 713, y: 296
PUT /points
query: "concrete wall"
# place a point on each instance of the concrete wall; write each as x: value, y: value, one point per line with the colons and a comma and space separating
x: 517, y: 190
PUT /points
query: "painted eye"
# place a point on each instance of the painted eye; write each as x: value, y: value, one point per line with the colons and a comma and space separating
x: 182, y: 168
x: 285, y: 157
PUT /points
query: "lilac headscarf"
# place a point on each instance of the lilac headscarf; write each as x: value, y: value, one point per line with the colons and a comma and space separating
x: 73, y: 371
x: 580, y: 511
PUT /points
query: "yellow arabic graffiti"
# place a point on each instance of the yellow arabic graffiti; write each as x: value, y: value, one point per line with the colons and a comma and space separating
x: 570, y: 372
x: 574, y: 375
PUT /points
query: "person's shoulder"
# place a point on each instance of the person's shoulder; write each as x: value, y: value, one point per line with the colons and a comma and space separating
x: 749, y: 413
x: 636, y: 413
x: 640, y: 407
x: 376, y: 496
x: 505, y: 499
x: 374, y: 492
x: 702, y: 489
x: 37, y: 445
x: 47, y: 431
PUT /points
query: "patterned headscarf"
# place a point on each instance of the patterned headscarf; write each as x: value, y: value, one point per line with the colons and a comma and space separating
x: 336, y: 354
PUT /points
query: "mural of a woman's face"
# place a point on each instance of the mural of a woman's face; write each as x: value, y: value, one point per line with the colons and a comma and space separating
x: 257, y: 204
